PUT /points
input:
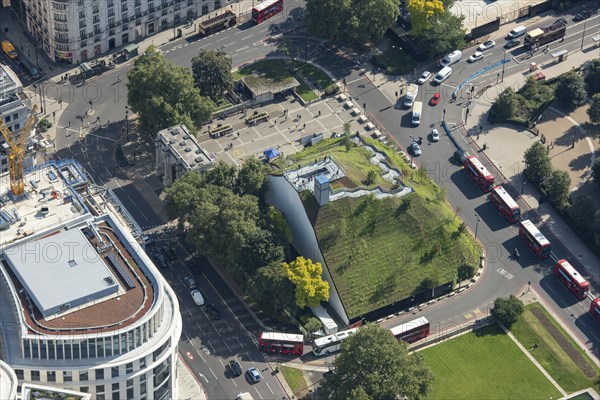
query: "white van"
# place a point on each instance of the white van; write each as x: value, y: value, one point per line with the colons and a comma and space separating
x: 411, y: 95
x: 416, y: 115
x: 442, y: 75
x: 451, y: 58
x: 516, y: 32
x: 197, y: 296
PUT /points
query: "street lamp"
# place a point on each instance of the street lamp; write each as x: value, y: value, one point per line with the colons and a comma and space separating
x: 503, y: 64
x: 91, y: 105
x: 476, y: 226
x: 444, y: 117
x: 583, y: 36
x: 476, y: 15
x: 127, y: 121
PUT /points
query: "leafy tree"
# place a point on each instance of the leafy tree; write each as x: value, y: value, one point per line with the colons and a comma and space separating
x: 222, y: 175
x: 163, y: 94
x: 465, y: 271
x: 310, y: 288
x: 355, y: 22
x: 182, y: 196
x: 558, y: 185
x: 371, y: 177
x: 594, y: 110
x: 570, y: 90
x: 257, y: 247
x: 444, y: 33
x: 289, y: 49
x: 596, y: 170
x: 505, y: 106
x: 422, y: 13
x: 212, y: 73
x: 583, y: 211
x: 271, y: 287
x: 346, y: 140
x: 251, y: 178
x: 592, y: 77
x: 538, y: 163
x: 311, y: 324
x: 374, y: 365
x: 279, y: 225
x: 507, y: 310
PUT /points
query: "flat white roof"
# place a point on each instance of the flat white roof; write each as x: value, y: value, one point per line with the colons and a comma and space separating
x: 61, y: 269
x: 284, y: 337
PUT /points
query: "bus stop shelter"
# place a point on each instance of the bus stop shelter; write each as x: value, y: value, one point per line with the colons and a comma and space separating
x: 130, y: 51
x: 560, y: 55
x: 86, y: 70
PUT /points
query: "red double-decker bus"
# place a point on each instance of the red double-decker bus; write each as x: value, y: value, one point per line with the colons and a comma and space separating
x: 505, y: 204
x: 412, y: 331
x: 283, y: 343
x: 572, y: 280
x: 535, y: 239
x: 480, y: 174
x: 265, y: 10
x: 595, y: 309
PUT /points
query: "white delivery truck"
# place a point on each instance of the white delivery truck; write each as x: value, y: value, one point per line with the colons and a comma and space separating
x: 451, y: 58
x: 416, y: 115
x: 442, y: 75
x: 411, y: 95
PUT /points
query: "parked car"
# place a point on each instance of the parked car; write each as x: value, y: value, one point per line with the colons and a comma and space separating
x: 476, y: 57
x: 488, y: 44
x: 423, y: 78
x: 197, y: 297
x: 435, y: 99
x: 213, y: 313
x: 561, y: 20
x: 253, y: 375
x: 416, y: 150
x: 235, y: 367
x: 580, y: 16
x: 191, y: 282
x: 170, y: 252
x: 435, y: 135
x: 512, y: 43
x: 161, y: 261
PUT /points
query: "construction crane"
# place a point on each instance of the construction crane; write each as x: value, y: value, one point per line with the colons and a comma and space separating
x: 16, y: 154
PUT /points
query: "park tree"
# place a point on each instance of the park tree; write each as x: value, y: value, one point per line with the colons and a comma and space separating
x: 163, y: 94
x: 212, y: 73
x: 422, y: 13
x: 444, y: 34
x: 182, y: 196
x: 504, y: 107
x: 251, y: 178
x: 290, y: 49
x: 596, y: 170
x: 570, y: 90
x: 354, y: 22
x: 583, y: 212
x: 374, y: 365
x: 557, y: 186
x: 507, y: 310
x: 271, y: 288
x: 594, y: 110
x: 222, y: 175
x: 592, y: 77
x: 537, y: 162
x: 466, y: 271
x: 310, y: 288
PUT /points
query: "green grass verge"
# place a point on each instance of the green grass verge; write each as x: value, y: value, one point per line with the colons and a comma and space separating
x: 305, y: 91
x: 381, y: 251
x: 294, y: 378
x: 528, y: 330
x: 315, y: 74
x: 485, y: 364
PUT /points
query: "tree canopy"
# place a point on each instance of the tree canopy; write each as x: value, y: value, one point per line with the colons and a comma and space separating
x: 163, y: 94
x: 307, y: 277
x: 507, y: 310
x: 583, y: 211
x: 374, y: 365
x: 558, y: 185
x: 354, y: 22
x: 596, y: 170
x: 594, y: 110
x: 537, y: 162
x: 422, y: 13
x: 212, y: 73
x: 592, y: 77
x: 570, y: 90
x: 271, y: 288
x: 505, y: 106
x: 443, y: 33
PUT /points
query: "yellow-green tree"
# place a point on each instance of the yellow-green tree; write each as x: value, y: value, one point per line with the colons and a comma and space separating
x: 310, y: 288
x: 422, y: 12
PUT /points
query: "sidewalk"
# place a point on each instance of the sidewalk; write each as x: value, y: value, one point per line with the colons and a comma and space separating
x: 189, y: 387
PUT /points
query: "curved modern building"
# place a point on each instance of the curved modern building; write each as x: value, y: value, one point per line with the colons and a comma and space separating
x: 82, y: 307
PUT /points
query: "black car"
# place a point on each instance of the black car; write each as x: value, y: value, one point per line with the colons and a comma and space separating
x: 170, y: 252
x: 235, y: 367
x: 580, y: 16
x: 561, y: 20
x: 512, y: 43
x: 213, y: 313
x: 161, y: 262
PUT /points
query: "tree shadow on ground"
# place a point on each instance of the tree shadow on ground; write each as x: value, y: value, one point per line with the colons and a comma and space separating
x: 580, y: 163
x: 566, y: 139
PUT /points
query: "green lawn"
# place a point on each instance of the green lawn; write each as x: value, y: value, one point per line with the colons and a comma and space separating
x: 294, y: 378
x: 305, y: 91
x: 316, y: 75
x: 528, y: 330
x: 485, y: 364
x: 381, y: 251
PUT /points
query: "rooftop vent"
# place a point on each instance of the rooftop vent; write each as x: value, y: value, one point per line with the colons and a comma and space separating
x: 175, y: 132
x: 109, y: 281
x: 171, y: 141
x: 72, y: 263
x: 182, y: 143
x: 199, y: 160
x: 198, y: 151
x: 188, y: 149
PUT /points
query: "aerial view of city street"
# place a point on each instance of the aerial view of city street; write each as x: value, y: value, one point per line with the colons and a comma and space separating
x: 299, y: 199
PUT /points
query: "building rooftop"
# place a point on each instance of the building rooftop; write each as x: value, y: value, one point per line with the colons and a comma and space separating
x: 184, y: 146
x: 9, y: 81
x: 50, y: 201
x: 68, y: 260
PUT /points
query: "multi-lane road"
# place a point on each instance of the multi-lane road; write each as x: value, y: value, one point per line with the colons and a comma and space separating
x: 232, y: 336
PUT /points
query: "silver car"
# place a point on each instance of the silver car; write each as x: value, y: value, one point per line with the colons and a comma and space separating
x: 423, y: 78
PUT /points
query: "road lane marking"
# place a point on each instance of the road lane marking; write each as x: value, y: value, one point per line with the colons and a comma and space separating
x: 247, y: 37
x: 242, y: 48
x: 211, y: 371
x: 203, y: 377
x: 269, y: 387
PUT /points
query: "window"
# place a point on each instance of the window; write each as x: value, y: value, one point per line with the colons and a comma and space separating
x: 35, y: 376
x: 99, y: 389
x: 96, y: 19
x: 114, y: 372
x: 51, y: 376
x: 82, y: 25
x: 128, y: 369
x: 110, y: 3
x: 15, y: 116
x: 142, y: 388
x: 95, y: 9
x: 19, y: 373
x: 111, y: 12
x: 123, y: 7
x: 7, y: 118
x: 83, y: 376
x: 115, y: 387
x: 17, y: 127
x: 84, y: 389
x: 97, y: 30
x: 67, y: 376
x: 99, y: 376
x: 111, y: 21
x: 190, y: 2
x: 130, y: 393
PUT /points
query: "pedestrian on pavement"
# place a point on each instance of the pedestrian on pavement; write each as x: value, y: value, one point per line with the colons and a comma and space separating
x: 119, y: 79
x: 319, y: 113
